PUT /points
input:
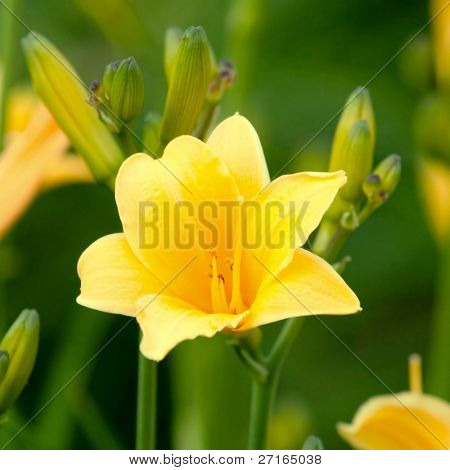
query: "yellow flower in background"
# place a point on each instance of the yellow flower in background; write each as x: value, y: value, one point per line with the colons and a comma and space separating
x: 179, y: 294
x: 407, y: 421
x: 35, y: 157
x: 441, y: 36
x: 435, y: 181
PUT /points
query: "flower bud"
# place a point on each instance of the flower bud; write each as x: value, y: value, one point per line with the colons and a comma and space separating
x: 380, y: 185
x: 67, y: 98
x: 124, y: 87
x: 358, y: 107
x: 107, y: 79
x: 21, y: 343
x: 356, y: 160
x: 189, y: 80
x: 313, y: 443
x: 172, y: 42
x: 4, y: 363
x: 222, y: 80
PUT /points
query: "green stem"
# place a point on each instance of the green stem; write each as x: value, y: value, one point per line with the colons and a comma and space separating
x: 146, y: 405
x: 439, y: 378
x: 264, y: 387
x: 262, y: 398
x: 8, y: 36
x: 329, y: 240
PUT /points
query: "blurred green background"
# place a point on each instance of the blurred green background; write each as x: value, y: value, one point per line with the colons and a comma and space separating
x: 297, y: 62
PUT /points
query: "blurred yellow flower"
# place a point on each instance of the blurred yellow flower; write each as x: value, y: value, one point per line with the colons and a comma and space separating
x: 405, y: 421
x: 441, y: 35
x: 35, y: 157
x: 435, y: 181
x: 180, y: 293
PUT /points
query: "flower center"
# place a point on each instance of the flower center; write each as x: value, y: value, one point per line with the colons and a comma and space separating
x: 220, y: 302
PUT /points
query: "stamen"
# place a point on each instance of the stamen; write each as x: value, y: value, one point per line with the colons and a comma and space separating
x: 219, y: 300
x: 415, y: 373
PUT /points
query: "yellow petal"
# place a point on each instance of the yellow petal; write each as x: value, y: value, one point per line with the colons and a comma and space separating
x: 23, y: 164
x: 419, y: 422
x: 20, y: 107
x: 441, y: 41
x: 287, y: 211
x: 66, y: 169
x: 112, y: 278
x: 307, y: 286
x: 435, y: 179
x: 187, y: 176
x: 166, y: 321
x: 235, y: 141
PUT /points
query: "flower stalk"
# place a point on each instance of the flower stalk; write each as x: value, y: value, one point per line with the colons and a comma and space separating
x: 146, y: 404
x: 356, y: 201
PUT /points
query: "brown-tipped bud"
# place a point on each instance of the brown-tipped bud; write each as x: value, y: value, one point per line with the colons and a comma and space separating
x: 380, y: 185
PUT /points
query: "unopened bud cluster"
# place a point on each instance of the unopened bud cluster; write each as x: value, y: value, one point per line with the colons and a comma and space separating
x: 353, y: 151
x: 96, y: 119
x: 64, y: 94
x: 119, y: 96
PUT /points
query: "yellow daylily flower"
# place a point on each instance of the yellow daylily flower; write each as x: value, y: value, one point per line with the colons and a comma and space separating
x: 435, y: 181
x: 180, y: 293
x: 405, y: 421
x: 35, y: 157
x: 441, y: 36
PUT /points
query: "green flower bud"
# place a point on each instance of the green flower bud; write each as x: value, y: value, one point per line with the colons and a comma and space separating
x: 356, y: 160
x: 4, y: 364
x: 313, y: 443
x: 188, y: 83
x: 172, y: 42
x: 21, y: 343
x: 125, y: 90
x: 107, y: 79
x: 358, y: 107
x: 152, y: 133
x: 380, y: 185
x: 62, y: 91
